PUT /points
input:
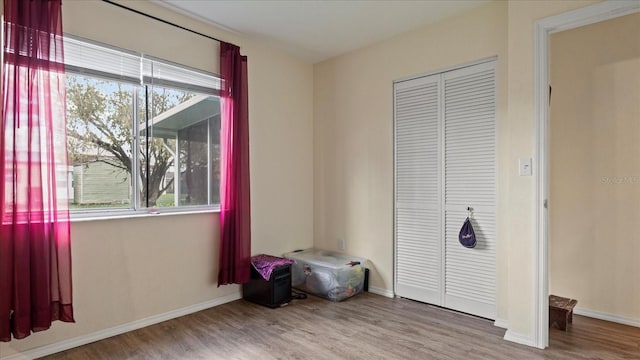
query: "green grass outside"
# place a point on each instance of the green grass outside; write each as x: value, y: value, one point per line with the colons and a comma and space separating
x: 97, y: 206
x: 165, y: 200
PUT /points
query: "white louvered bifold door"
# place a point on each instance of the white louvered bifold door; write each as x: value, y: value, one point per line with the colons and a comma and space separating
x: 470, y: 181
x: 418, y: 193
x: 445, y: 162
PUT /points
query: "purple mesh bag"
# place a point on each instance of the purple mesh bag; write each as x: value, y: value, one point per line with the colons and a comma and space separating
x: 467, y: 236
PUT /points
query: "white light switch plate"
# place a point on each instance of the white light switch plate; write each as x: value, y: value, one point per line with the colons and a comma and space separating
x: 524, y: 166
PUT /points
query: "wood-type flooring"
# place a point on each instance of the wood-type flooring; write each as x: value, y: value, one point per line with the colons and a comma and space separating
x: 366, y: 326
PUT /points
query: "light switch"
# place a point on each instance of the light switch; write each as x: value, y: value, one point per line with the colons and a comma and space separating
x: 524, y: 165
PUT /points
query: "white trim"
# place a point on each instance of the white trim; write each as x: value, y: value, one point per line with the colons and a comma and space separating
x: 607, y: 317
x: 603, y: 11
x: 442, y: 180
x: 541, y: 300
x: 142, y: 213
x: 382, y: 292
x: 518, y: 338
x: 120, y: 329
x: 543, y: 28
x: 448, y: 69
x: 501, y: 323
x: 394, y: 210
x: 199, y: 17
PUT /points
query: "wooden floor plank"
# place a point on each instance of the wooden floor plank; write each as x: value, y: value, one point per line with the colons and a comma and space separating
x: 364, y: 327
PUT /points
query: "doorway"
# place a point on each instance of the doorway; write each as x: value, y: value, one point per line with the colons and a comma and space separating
x: 544, y: 28
x: 594, y: 168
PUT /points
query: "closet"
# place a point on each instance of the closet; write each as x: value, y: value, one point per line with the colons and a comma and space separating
x: 445, y: 170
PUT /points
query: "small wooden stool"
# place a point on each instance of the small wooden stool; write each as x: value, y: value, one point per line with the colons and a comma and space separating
x: 561, y: 311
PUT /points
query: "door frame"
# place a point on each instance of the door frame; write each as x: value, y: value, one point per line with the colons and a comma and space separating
x: 543, y: 29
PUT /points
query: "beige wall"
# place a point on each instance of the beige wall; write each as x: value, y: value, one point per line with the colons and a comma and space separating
x: 353, y: 131
x: 126, y: 270
x: 130, y: 269
x: 594, y: 209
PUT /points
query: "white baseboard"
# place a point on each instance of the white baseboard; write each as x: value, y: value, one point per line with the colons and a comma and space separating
x: 120, y: 329
x: 519, y: 338
x: 381, y: 291
x: 607, y: 317
x: 501, y: 323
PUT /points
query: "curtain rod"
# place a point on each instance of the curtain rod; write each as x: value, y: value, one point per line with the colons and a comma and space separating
x: 161, y: 20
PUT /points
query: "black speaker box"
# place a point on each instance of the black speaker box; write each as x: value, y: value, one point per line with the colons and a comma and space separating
x: 274, y: 292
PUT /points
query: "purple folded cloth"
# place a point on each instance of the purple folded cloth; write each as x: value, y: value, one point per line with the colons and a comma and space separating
x: 265, y: 264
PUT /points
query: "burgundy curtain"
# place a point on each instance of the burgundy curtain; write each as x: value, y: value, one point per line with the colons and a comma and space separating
x: 235, y: 214
x: 35, y: 255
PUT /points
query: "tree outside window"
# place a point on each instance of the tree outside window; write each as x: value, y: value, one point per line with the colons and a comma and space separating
x: 175, y: 133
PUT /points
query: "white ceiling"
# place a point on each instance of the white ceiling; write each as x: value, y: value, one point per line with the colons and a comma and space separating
x: 315, y: 30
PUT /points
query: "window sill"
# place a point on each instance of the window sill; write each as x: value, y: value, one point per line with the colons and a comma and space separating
x: 96, y: 215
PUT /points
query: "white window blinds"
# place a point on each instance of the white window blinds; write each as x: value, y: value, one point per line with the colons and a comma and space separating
x: 88, y: 58
x: 85, y: 57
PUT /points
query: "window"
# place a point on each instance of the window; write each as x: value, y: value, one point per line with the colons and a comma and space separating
x: 142, y: 133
